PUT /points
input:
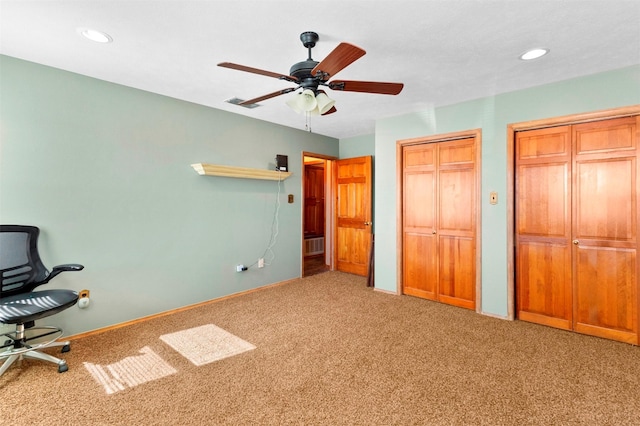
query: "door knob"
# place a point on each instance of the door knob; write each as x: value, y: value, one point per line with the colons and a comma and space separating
x: 576, y: 242
x: 433, y: 232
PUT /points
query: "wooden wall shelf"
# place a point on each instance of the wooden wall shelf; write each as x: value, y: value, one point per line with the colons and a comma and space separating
x: 239, y: 172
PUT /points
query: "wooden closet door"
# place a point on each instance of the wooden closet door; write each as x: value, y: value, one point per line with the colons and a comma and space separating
x: 576, y: 227
x: 439, y: 221
x: 456, y: 229
x: 543, y: 226
x: 605, y: 229
x: 420, y: 274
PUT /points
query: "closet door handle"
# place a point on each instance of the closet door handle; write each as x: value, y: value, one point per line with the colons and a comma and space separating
x: 576, y: 242
x: 367, y: 223
x: 433, y: 232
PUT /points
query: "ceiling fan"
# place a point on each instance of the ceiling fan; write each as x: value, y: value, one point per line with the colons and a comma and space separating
x: 310, y: 75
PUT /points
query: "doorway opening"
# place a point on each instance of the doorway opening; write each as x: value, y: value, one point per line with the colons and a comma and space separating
x: 317, y: 213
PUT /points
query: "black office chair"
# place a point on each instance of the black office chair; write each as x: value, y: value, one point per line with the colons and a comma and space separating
x: 22, y: 270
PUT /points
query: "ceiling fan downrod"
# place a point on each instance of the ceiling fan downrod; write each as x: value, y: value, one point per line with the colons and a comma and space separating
x: 309, y: 40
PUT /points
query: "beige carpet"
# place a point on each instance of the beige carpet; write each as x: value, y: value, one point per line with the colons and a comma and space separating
x: 130, y: 371
x: 200, y: 345
x: 330, y: 351
x: 206, y: 343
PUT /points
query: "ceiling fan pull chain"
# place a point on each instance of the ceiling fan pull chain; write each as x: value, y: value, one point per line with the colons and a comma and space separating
x: 307, y: 118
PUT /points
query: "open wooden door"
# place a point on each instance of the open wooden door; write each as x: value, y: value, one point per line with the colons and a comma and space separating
x: 353, y: 215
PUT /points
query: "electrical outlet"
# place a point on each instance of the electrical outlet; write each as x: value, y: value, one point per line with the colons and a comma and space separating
x: 83, y: 299
x: 261, y: 262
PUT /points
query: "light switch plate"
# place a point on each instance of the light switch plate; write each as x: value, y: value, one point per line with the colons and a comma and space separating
x: 493, y: 198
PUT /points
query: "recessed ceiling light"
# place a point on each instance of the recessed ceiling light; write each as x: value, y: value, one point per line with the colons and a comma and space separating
x: 94, y: 35
x: 536, y: 53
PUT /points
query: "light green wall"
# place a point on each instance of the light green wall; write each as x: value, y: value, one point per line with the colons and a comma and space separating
x: 602, y: 91
x: 358, y: 146
x: 104, y: 171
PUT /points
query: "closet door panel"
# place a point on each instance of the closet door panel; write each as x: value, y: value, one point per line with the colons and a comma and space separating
x: 605, y: 200
x: 605, y: 228
x: 543, y: 226
x: 457, y: 202
x: 457, y: 222
x: 544, y: 203
x: 606, y: 293
x: 457, y: 271
x: 420, y: 275
x: 544, y: 290
x: 419, y: 212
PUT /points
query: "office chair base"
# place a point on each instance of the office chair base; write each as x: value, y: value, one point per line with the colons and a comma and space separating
x: 62, y: 364
x: 18, y: 347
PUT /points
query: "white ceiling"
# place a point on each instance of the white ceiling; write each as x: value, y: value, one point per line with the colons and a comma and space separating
x: 444, y: 51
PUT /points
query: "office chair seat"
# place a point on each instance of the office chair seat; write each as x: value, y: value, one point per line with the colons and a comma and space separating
x: 32, y: 306
x: 21, y: 271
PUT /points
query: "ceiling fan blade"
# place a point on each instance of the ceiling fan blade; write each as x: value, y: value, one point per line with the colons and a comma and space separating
x: 339, y: 58
x: 367, y: 87
x: 331, y: 111
x: 269, y: 96
x: 257, y: 71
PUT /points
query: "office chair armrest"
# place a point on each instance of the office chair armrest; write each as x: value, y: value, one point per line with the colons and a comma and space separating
x: 63, y: 268
x: 68, y: 267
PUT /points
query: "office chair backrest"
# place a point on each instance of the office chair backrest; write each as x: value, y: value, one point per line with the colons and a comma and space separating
x: 21, y: 269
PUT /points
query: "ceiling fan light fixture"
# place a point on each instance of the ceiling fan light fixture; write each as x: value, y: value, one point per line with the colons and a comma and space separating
x: 307, y: 100
x: 293, y: 103
x: 325, y: 103
x: 532, y: 54
x: 303, y: 102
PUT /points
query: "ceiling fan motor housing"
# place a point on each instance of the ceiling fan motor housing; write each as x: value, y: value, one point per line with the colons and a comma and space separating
x: 302, y: 71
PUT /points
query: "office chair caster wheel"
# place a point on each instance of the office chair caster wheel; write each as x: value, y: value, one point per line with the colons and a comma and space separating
x: 66, y: 348
x: 62, y: 368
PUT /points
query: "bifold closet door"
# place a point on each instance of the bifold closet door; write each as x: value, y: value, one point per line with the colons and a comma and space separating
x: 439, y: 221
x: 543, y: 226
x: 605, y: 219
x: 419, y: 236
x: 576, y: 227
